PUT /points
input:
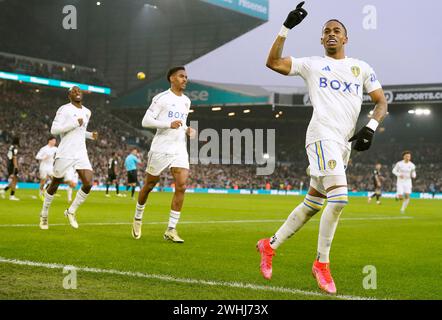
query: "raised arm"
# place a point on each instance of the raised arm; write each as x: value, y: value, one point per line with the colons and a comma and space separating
x: 275, y: 61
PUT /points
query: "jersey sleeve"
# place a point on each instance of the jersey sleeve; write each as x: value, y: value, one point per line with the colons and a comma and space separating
x: 413, y: 172
x: 150, y: 118
x: 62, y: 123
x: 299, y: 67
x: 396, y: 170
x: 40, y: 154
x: 371, y: 82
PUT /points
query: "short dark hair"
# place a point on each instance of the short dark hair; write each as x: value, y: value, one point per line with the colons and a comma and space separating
x: 336, y: 20
x: 406, y: 152
x: 51, y: 138
x: 16, y: 140
x: 173, y: 70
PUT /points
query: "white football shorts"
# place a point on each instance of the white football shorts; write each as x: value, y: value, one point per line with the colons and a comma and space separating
x: 71, y: 175
x: 403, y: 187
x: 61, y: 166
x: 157, y: 162
x: 46, y: 171
x: 327, y: 158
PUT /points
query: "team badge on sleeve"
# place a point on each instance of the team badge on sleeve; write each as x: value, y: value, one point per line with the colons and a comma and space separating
x: 356, y: 71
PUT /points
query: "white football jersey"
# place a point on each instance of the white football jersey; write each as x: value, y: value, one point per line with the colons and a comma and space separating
x: 335, y: 87
x: 73, y: 136
x: 404, y: 171
x: 46, y: 155
x: 167, y: 107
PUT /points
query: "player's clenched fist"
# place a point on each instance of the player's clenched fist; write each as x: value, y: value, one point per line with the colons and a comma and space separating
x: 363, y: 139
x: 296, y: 16
x: 176, y: 124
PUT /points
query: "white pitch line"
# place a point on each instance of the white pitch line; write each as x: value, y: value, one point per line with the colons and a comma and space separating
x: 169, y: 278
x: 195, y: 222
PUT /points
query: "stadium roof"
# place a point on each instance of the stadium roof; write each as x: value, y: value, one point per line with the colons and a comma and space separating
x: 121, y: 38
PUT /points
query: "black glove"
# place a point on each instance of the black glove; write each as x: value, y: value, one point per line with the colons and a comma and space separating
x: 363, y: 138
x: 296, y: 16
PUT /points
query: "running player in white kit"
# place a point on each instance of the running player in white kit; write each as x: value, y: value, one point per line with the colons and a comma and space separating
x: 335, y: 83
x: 46, y: 157
x: 70, y: 123
x: 168, y: 114
x: 404, y: 170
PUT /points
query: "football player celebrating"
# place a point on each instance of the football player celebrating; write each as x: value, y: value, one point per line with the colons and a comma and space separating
x: 335, y: 84
x: 168, y: 114
x: 70, y: 123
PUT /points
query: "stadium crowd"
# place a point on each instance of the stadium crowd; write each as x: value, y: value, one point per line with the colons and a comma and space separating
x: 61, y: 71
x: 29, y: 115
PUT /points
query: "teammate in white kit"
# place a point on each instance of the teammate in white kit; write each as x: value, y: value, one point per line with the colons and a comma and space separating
x: 46, y: 157
x: 335, y: 83
x: 168, y: 114
x: 70, y: 123
x: 404, y: 170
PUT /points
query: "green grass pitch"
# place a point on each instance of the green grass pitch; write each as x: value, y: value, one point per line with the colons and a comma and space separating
x: 218, y: 259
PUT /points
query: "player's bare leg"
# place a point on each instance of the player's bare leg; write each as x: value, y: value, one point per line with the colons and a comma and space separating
x: 71, y: 187
x: 180, y: 176
x: 48, y: 197
x: 13, y: 186
x: 311, y: 205
x: 378, y: 195
x: 132, y: 186
x: 108, y: 182
x: 81, y: 196
x: 41, y: 189
x: 117, y: 188
x: 150, y: 182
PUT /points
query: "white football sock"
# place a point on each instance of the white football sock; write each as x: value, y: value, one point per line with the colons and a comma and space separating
x: 46, y: 204
x: 297, y: 218
x: 173, y: 219
x: 336, y: 201
x: 79, y: 199
x: 69, y: 191
x: 139, y: 211
x: 405, y: 204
